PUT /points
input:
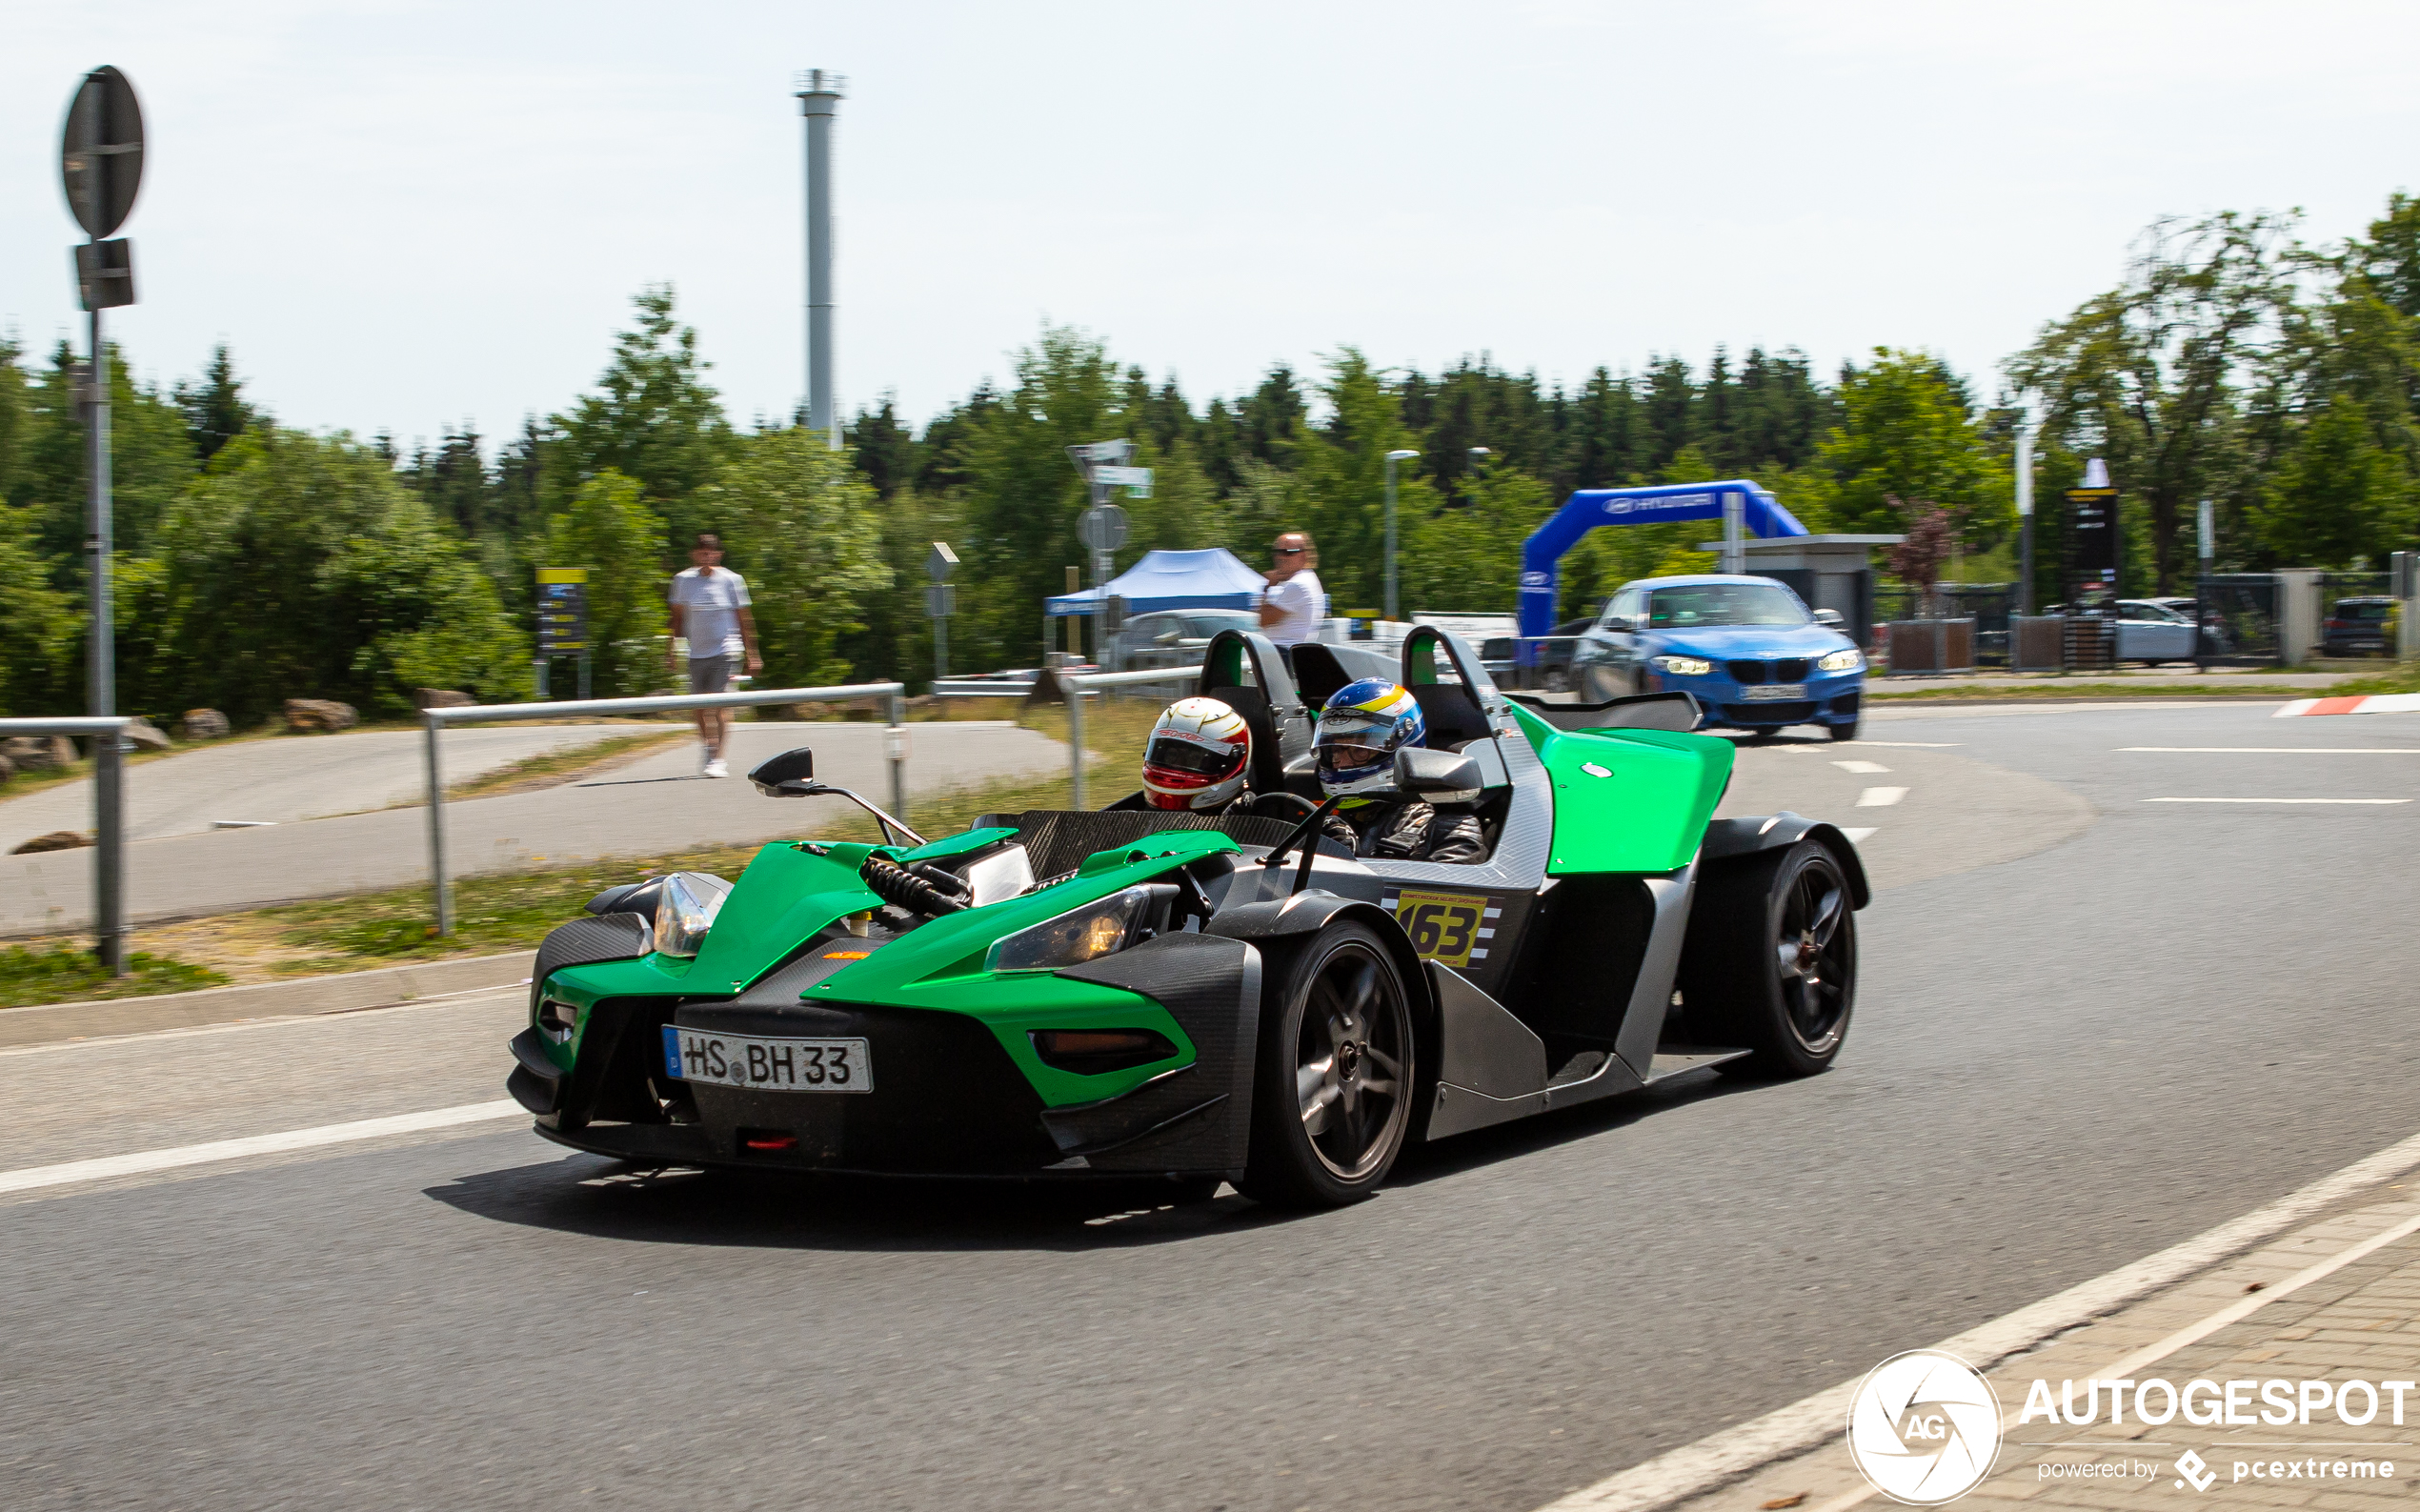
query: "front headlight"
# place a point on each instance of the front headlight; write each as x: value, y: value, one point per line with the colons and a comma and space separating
x: 1847, y: 660
x: 1083, y: 934
x: 687, y: 910
x: 1682, y: 666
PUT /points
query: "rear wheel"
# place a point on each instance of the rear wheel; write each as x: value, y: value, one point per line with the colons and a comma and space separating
x: 1771, y: 960
x: 1331, y: 1096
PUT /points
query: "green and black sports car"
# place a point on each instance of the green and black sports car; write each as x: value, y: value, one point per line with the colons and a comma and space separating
x: 1142, y: 992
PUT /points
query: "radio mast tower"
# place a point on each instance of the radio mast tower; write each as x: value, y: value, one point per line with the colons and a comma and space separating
x: 819, y: 101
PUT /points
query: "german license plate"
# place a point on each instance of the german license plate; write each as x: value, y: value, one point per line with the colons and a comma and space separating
x: 1772, y: 692
x: 768, y: 1066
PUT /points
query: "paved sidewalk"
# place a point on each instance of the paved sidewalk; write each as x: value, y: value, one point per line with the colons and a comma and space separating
x: 2361, y: 1321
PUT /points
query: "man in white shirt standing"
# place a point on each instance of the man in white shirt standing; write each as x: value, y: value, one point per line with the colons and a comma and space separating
x: 710, y: 610
x: 1293, y: 603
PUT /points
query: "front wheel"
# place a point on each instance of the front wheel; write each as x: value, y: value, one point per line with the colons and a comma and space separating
x: 1843, y: 731
x: 1331, y: 1088
x: 1771, y: 960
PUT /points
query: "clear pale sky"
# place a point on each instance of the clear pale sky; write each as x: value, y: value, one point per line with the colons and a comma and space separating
x: 406, y: 214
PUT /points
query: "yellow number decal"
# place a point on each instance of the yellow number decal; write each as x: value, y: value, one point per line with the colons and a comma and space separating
x: 1443, y: 926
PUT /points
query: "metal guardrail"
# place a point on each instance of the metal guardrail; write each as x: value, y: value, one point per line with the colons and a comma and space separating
x: 980, y: 688
x: 109, y: 823
x: 435, y: 721
x: 1080, y: 684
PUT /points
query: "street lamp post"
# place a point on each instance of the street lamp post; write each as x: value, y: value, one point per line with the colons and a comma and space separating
x: 1392, y: 457
x: 2026, y: 433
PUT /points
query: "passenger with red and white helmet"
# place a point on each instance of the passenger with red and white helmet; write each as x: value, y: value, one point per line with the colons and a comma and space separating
x: 1199, y: 756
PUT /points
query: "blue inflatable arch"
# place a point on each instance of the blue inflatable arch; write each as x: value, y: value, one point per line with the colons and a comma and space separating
x: 1591, y: 508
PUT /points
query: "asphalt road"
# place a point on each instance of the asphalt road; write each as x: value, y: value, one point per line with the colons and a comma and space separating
x: 2090, y: 1025
x: 657, y: 803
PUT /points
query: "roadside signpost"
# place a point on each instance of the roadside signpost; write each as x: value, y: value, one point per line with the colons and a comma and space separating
x: 1106, y: 465
x: 2092, y: 533
x: 562, y: 620
x: 101, y: 167
x: 940, y: 602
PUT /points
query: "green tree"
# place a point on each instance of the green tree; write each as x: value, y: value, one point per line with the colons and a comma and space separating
x: 1022, y: 498
x: 216, y: 409
x: 2338, y: 494
x: 609, y: 531
x: 1906, y: 432
x: 804, y: 527
x: 40, y: 672
x: 1344, y: 482
x: 298, y: 567
x: 2152, y: 375
x: 652, y: 418
x: 1466, y: 556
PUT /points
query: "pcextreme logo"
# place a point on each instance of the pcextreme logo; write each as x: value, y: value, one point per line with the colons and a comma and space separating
x: 1923, y: 1427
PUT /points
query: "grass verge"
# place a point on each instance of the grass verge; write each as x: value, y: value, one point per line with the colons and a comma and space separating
x: 553, y: 768
x: 513, y: 911
x: 61, y: 973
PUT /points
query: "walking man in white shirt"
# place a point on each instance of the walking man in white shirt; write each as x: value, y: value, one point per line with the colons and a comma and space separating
x: 710, y: 610
x: 1293, y: 603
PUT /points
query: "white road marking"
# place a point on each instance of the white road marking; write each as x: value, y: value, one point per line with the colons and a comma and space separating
x: 1857, y: 836
x: 1880, y: 797
x: 142, y: 1162
x: 2281, y: 750
x: 1678, y: 1474
x: 2276, y: 800
x: 1861, y: 766
x: 442, y: 999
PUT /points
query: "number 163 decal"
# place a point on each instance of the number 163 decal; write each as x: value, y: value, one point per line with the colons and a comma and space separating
x: 1451, y: 928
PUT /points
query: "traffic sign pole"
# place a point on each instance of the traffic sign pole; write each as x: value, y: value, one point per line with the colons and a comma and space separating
x: 101, y: 167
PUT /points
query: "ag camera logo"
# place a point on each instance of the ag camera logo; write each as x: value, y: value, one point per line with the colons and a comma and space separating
x: 1923, y: 1427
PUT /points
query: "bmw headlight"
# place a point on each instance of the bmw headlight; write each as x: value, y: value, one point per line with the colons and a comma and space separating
x: 1097, y: 929
x: 687, y: 910
x: 1843, y: 660
x: 1682, y: 666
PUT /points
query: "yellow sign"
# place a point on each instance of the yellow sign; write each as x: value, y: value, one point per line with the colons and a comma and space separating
x: 1445, y: 927
x: 562, y: 575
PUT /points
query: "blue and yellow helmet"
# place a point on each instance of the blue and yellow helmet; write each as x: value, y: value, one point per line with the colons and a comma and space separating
x: 1361, y: 726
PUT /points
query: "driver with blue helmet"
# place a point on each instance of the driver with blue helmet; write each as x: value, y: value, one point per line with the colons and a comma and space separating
x: 1361, y: 726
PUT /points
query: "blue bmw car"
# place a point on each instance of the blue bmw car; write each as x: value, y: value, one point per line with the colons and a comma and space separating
x: 1756, y: 658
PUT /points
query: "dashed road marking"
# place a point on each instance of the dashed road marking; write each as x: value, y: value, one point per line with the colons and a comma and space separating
x: 1880, y: 797
x: 1857, y: 836
x: 1861, y: 766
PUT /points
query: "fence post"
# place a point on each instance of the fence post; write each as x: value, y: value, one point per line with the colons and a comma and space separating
x: 438, y: 880
x: 109, y: 865
x: 1076, y: 745
x: 894, y: 747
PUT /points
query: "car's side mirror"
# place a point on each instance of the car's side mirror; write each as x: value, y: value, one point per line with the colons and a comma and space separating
x: 1832, y: 619
x: 1619, y: 624
x: 1169, y: 637
x: 790, y: 774
x: 1440, y: 776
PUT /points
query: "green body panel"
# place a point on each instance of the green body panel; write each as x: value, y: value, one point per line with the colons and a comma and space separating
x: 1649, y: 810
x: 788, y: 894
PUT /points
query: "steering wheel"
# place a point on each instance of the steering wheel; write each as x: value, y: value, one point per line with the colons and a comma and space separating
x: 1302, y: 805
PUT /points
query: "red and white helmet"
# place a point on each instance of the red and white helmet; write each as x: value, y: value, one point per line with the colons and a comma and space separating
x: 1198, y: 754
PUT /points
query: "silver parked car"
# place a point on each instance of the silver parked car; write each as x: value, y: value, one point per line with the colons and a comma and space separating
x: 1175, y: 638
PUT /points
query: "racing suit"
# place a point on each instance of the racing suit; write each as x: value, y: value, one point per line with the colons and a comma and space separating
x: 1396, y: 828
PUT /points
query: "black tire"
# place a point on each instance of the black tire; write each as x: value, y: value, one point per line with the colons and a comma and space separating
x: 1844, y: 731
x: 1334, y: 1074
x: 1737, y: 988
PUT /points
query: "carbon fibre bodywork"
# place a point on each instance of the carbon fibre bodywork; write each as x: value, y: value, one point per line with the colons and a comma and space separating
x: 1542, y: 976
